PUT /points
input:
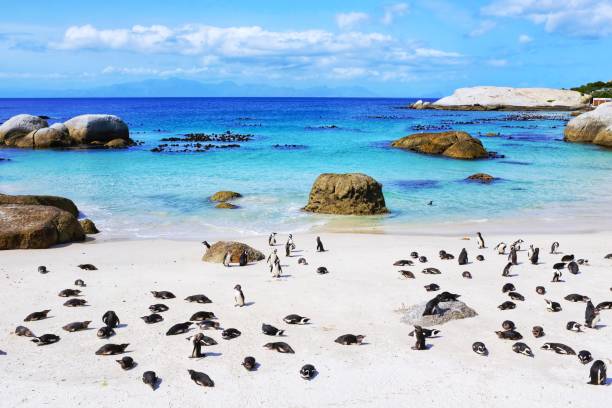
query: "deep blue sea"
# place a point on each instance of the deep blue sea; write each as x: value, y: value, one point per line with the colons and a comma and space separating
x: 136, y: 193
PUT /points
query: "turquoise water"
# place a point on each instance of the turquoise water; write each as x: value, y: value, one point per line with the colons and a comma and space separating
x: 137, y: 193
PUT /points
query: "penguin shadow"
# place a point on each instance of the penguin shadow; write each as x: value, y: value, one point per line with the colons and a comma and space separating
x: 255, y: 367
x: 157, y: 384
x: 2, y: 353
x: 121, y: 325
x: 608, y: 381
x: 600, y: 326
x: 248, y: 304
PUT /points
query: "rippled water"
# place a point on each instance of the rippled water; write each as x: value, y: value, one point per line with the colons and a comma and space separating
x: 138, y: 193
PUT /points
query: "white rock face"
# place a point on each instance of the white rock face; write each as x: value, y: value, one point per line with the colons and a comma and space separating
x: 503, y: 98
x: 96, y: 128
x: 591, y: 127
x: 19, y: 126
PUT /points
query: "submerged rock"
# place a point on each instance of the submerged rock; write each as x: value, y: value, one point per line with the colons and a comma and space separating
x: 223, y: 196
x: 54, y: 201
x: 346, y: 194
x: 453, y: 144
x: 227, y: 206
x: 37, y: 226
x: 19, y: 126
x: 505, y: 98
x: 591, y: 127
x: 89, y: 227
x: 217, y: 252
x: 454, y: 310
x: 481, y: 178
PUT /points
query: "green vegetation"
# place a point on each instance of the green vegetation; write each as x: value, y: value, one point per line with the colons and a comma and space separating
x: 597, y: 89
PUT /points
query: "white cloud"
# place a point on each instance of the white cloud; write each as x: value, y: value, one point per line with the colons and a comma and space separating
x: 433, y: 53
x: 582, y: 18
x: 524, y: 39
x: 350, y: 20
x: 395, y: 10
x: 146, y: 71
x: 497, y: 62
x: 482, y: 28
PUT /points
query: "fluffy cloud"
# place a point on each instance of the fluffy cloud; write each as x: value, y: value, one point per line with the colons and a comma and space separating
x: 350, y: 20
x: 395, y: 10
x: 582, y: 18
x: 524, y: 39
x: 482, y: 28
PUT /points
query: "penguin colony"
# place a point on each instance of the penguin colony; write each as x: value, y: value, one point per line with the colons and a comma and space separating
x: 207, y: 321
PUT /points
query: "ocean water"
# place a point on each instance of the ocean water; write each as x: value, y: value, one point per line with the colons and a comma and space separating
x: 136, y: 193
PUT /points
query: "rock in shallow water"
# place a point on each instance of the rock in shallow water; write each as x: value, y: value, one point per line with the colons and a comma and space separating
x: 223, y: 196
x: 54, y: 201
x: 19, y: 126
x: 481, y: 178
x: 453, y: 144
x: 591, y: 127
x: 455, y: 310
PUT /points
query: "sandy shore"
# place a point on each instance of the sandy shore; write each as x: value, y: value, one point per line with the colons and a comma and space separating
x: 360, y: 295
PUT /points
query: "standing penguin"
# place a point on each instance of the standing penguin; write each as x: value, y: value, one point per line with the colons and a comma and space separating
x: 287, y: 249
x: 244, y: 258
x: 320, y: 245
x: 534, y: 256
x: 463, y: 257
x: 110, y: 319
x: 238, y: 296
x: 554, y: 247
x: 277, y: 270
x: 197, y: 346
x: 420, y: 339
x: 598, y: 374
x: 501, y: 248
x: 591, y: 315
x: 480, y: 240
x: 272, y: 258
x: 227, y: 258
x: 272, y: 239
x: 512, y: 256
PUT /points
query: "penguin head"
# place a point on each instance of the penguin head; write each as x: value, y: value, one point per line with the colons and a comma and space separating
x: 237, y: 287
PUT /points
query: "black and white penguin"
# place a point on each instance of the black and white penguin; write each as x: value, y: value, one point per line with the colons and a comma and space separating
x: 320, y: 245
x: 585, y: 356
x: 414, y: 255
x: 559, y: 266
x: 87, y: 267
x: 506, y: 270
x: 463, y: 257
x: 45, y: 339
x: 243, y: 259
x: 296, y: 319
x: 158, y: 308
x: 431, y: 271
x: 201, y: 378
x: 567, y: 258
x: 508, y: 325
x: 126, y: 363
x: 348, y: 339
x: 179, y: 328
x: 480, y: 348
x: 559, y: 348
x: 598, y: 373
x: 575, y: 297
x: 230, y: 334
x: 163, y: 294
x: 111, y: 349
x: 209, y: 324
x: 432, y: 287
x: 604, y: 305
x: 422, y: 259
x: 501, y: 248
x: 403, y: 262
x: 507, y: 305
x: 308, y: 372
x: 196, y: 352
x: 573, y: 268
x: 552, y: 306
x: 509, y: 335
x: 512, y: 256
x: 77, y: 326
x: 534, y: 258
x: 238, y: 296
x: 271, y: 330
x: 150, y: 379
x: 582, y: 261
x: 448, y: 297
x: 206, y: 244
x: 42, y: 269
x: 522, y: 348
x: 249, y: 363
x: 152, y: 318
x: 554, y: 247
x: 75, y: 302
x: 227, y: 259
x: 199, y: 298
x: 466, y: 275
x: 480, y: 241
x: 516, y: 296
x: 272, y: 239
x: 110, y: 319
x: 279, y: 346
x: 69, y: 293
x: 516, y: 245
x: 321, y: 270
x: 557, y: 276
x: 591, y: 315
x: 508, y: 287
x: 480, y: 258
x: 537, y: 331
x: 445, y: 256
x: 420, y: 339
x: 105, y: 332
x: 79, y: 282
x: 574, y: 326
x: 540, y: 290
x: 429, y: 333
x: 431, y: 308
x: 407, y: 274
x: 37, y: 316
x: 23, y: 331
x: 202, y: 315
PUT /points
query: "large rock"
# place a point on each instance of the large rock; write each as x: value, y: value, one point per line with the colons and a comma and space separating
x: 457, y: 145
x: 37, y: 226
x: 97, y: 129
x: 55, y: 135
x: 346, y: 194
x: 217, y: 252
x: 19, y: 126
x: 223, y: 196
x: 504, y: 98
x: 54, y: 201
x: 591, y: 127
x: 455, y: 310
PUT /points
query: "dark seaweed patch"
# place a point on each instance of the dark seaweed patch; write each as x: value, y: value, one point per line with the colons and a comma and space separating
x: 416, y: 184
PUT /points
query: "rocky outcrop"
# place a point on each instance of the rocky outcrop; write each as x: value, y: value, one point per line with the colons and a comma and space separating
x: 448, y: 311
x: 591, y: 127
x: 346, y: 194
x: 504, y: 98
x: 223, y: 196
x: 217, y: 252
x: 37, y: 226
x: 53, y: 201
x: 457, y: 145
x: 481, y: 178
x: 88, y: 226
x: 19, y: 126
x: 226, y: 206
x: 420, y: 105
x: 53, y: 136
x: 97, y: 129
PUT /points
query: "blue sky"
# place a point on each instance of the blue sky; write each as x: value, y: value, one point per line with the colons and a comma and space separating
x: 401, y: 48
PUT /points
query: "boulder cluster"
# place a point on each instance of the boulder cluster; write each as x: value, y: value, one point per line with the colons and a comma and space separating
x: 28, y: 131
x: 453, y: 144
x: 591, y: 127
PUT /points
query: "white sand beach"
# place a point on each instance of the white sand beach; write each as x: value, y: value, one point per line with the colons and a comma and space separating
x: 360, y: 295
